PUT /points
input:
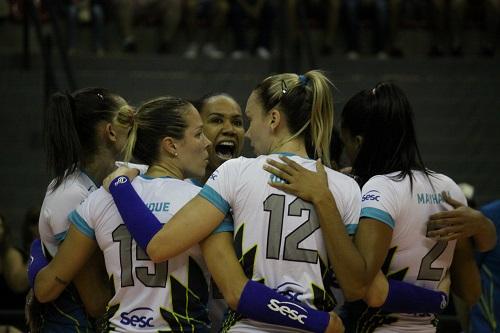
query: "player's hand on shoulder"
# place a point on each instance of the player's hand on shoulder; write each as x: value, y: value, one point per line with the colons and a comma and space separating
x: 335, y: 324
x: 299, y: 181
x: 121, y: 171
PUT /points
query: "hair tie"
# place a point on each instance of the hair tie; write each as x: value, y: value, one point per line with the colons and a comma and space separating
x: 131, y: 116
x: 304, y: 80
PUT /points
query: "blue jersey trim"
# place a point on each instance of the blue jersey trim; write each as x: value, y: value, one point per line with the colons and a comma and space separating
x: 81, y: 225
x: 284, y: 153
x: 196, y: 182
x: 215, y: 199
x: 227, y: 225
x: 60, y: 236
x: 379, y: 215
x: 351, y: 228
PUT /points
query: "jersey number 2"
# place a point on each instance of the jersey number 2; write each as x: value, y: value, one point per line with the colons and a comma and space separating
x: 156, y: 280
x: 275, y: 205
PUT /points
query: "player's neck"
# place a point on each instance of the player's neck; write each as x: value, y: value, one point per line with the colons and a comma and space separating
x: 295, y: 146
x: 164, y: 169
x: 208, y: 171
x: 98, y: 167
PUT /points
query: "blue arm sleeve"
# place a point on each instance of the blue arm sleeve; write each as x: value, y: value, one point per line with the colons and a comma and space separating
x: 37, y: 261
x: 261, y: 303
x: 140, y: 221
x: 404, y: 297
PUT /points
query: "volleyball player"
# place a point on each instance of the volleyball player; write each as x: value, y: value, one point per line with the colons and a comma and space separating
x: 84, y: 134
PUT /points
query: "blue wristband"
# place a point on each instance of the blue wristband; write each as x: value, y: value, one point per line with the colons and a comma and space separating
x: 140, y: 222
x: 37, y: 261
x: 261, y: 303
x: 404, y: 297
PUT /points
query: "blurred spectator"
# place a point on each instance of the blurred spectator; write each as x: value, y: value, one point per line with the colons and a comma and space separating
x: 4, y: 10
x: 13, y: 277
x: 394, y: 21
x: 214, y: 13
x: 84, y: 11
x: 326, y: 11
x: 379, y: 11
x: 165, y: 12
x: 257, y: 13
x: 447, y: 13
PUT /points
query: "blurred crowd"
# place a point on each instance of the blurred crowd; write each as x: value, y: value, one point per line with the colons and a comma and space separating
x: 244, y: 28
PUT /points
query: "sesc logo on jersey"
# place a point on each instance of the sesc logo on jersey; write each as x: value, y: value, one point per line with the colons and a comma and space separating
x: 137, y: 318
x: 286, y: 309
x: 372, y: 195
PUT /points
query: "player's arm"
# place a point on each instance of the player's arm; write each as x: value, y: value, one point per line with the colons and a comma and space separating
x: 254, y: 300
x: 71, y: 257
x: 191, y: 224
x: 465, y: 277
x: 92, y: 285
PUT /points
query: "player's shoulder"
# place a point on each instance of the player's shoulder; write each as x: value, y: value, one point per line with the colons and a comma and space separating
x: 236, y: 166
x: 440, y: 177
x: 71, y: 190
x: 340, y: 178
x: 386, y: 181
x: 170, y: 185
x: 99, y: 197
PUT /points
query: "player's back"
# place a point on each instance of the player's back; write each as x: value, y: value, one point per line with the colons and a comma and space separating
x: 413, y: 257
x: 148, y: 297
x: 277, y: 235
x: 67, y: 312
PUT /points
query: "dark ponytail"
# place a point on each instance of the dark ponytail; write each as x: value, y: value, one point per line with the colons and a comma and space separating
x: 70, y: 127
x: 62, y: 143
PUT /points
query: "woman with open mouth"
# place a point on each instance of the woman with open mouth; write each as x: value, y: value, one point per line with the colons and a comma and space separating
x: 223, y: 126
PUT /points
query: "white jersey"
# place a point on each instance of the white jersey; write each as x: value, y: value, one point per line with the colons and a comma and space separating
x: 53, y: 223
x: 148, y: 297
x: 412, y: 256
x: 277, y: 235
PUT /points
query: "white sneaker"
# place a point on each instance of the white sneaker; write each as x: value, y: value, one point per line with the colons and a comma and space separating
x: 263, y: 53
x: 238, y: 54
x: 191, y: 51
x: 212, y: 52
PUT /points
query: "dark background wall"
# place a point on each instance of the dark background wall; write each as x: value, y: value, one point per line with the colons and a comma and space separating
x: 456, y: 103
